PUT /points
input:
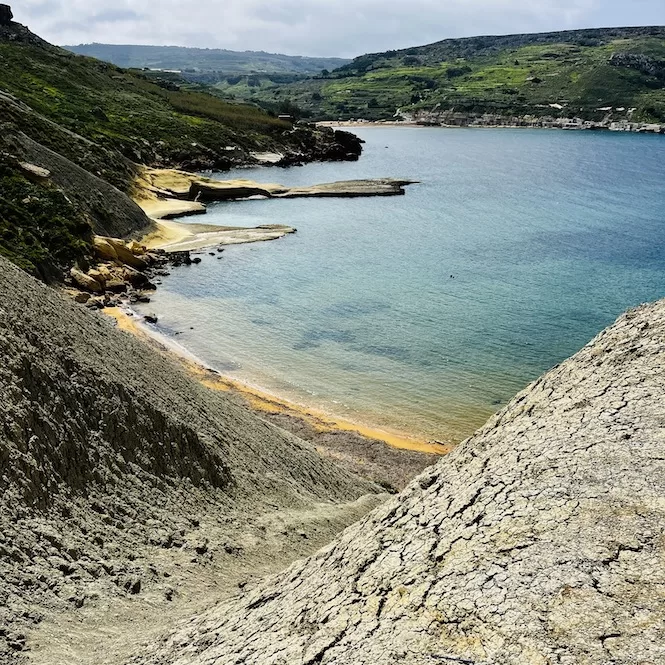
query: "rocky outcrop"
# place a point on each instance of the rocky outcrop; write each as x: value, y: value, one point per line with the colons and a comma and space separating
x: 115, y: 461
x: 6, y: 15
x: 210, y: 190
x: 640, y: 62
x: 169, y: 184
x: 538, y: 541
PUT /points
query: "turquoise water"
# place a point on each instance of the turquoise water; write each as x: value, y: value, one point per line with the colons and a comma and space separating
x: 426, y: 313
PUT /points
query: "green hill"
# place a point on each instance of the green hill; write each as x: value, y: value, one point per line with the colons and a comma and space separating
x: 581, y: 71
x: 202, y: 60
x: 90, y: 125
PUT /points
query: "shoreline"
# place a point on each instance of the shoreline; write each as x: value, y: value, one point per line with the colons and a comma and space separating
x: 565, y: 124
x: 265, y: 402
x: 168, y: 194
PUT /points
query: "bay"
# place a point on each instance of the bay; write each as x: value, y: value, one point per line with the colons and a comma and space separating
x: 426, y: 313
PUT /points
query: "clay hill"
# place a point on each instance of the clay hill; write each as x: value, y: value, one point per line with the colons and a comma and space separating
x: 124, y: 477
x: 147, y: 519
x: 537, y: 541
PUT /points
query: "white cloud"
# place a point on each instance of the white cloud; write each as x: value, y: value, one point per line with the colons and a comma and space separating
x: 317, y: 27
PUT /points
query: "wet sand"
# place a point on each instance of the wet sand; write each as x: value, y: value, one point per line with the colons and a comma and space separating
x: 272, y: 404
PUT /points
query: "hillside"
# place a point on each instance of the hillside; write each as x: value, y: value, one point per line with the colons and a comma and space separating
x: 537, y: 541
x: 577, y: 73
x: 125, y: 480
x: 88, y: 126
x: 201, y: 60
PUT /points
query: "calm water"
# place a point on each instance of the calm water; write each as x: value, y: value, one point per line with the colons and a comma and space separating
x: 427, y: 312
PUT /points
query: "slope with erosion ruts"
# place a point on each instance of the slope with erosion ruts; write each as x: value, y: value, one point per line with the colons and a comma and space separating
x: 123, y: 477
x: 537, y: 541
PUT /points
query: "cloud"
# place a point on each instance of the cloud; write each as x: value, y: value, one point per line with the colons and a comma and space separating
x: 317, y: 27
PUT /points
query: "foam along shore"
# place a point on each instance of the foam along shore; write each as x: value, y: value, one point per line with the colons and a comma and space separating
x: 261, y: 400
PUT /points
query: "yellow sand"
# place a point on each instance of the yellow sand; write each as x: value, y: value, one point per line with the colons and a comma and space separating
x: 266, y: 402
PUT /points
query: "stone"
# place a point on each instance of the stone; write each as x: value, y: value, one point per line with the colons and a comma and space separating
x: 134, y: 277
x: 85, y: 281
x: 6, y: 15
x: 136, y: 248
x: 98, y: 276
x: 32, y: 171
x: 116, y: 286
x: 126, y: 256
x: 82, y: 297
x: 104, y: 249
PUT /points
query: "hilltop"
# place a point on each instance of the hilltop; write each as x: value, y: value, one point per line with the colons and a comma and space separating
x: 205, y: 60
x: 585, y: 73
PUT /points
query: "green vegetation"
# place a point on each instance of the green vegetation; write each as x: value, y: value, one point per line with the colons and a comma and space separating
x: 581, y: 71
x: 89, y: 125
x: 125, y: 111
x: 219, y: 62
x: 40, y: 230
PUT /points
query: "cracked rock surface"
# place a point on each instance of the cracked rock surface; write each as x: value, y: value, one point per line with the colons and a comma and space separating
x: 540, y: 540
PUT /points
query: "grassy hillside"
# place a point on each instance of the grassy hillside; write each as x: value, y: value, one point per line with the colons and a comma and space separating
x: 91, y: 124
x: 112, y: 107
x: 205, y: 60
x: 581, y: 71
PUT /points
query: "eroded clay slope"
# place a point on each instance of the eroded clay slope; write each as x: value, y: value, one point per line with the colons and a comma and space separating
x: 540, y: 540
x: 120, y: 473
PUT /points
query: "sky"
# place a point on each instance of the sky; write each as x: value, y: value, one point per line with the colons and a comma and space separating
x: 344, y: 28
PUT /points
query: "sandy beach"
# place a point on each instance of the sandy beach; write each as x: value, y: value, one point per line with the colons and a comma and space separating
x: 263, y: 401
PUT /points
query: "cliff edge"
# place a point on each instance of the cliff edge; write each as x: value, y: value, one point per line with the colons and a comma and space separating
x: 538, y: 541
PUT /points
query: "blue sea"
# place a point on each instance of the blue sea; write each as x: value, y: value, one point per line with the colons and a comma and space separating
x: 428, y: 312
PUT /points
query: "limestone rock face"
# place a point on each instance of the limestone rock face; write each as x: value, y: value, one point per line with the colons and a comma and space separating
x: 6, y: 15
x: 87, y: 282
x: 538, y: 541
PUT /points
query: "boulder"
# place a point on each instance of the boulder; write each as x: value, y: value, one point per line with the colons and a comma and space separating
x: 98, y: 276
x: 126, y: 256
x: 85, y: 281
x: 32, y: 171
x: 105, y: 273
x: 104, y: 249
x: 136, y: 248
x: 114, y: 249
x: 116, y: 286
x: 134, y: 277
x: 6, y: 15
